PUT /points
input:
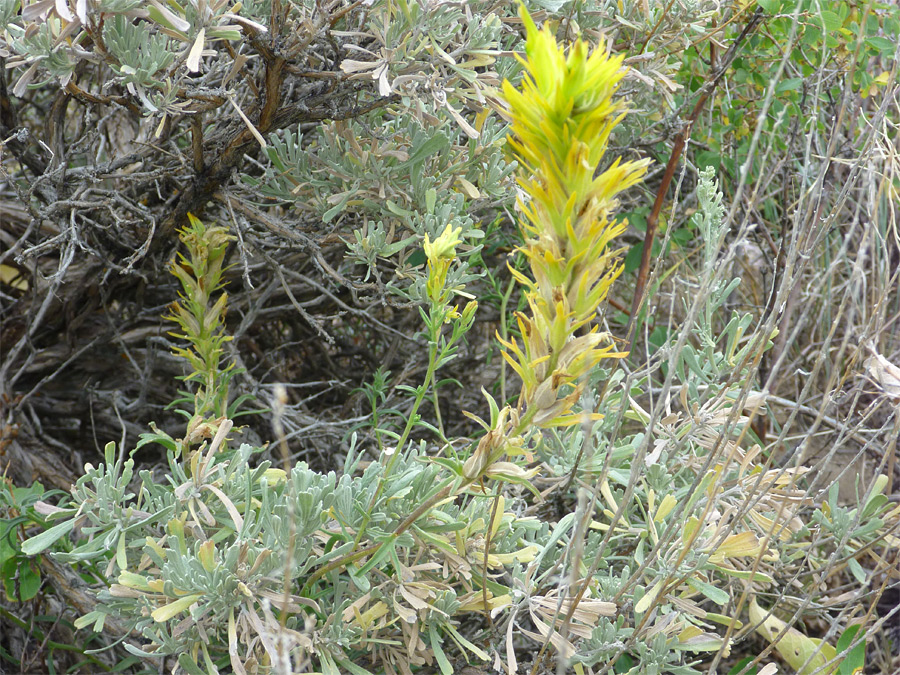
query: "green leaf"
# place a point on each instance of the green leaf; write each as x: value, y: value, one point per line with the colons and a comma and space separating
x: 329, y: 667
x: 337, y: 208
x: 431, y: 146
x: 416, y: 258
x: 885, y: 46
x: 758, y: 577
x: 397, y: 210
x: 443, y: 662
x: 830, y: 20
x: 351, y: 667
x: 792, y: 84
x: 21, y: 579
x: 477, y: 651
x: 717, y: 595
x: 740, y: 665
x: 633, y: 257
x: 96, y: 617
x: 856, y: 570
x: 562, y: 527
x: 855, y: 659
x: 8, y: 538
x: 623, y: 664
x: 29, y: 580
x: 812, y: 36
x: 159, y: 437
x: 361, y: 581
x: 224, y: 33
x: 47, y: 538
x: 876, y: 499
x: 190, y: 666
x: 168, y: 19
x: 383, y: 552
x: 709, y: 158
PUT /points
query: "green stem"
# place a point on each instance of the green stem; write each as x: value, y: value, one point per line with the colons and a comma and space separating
x: 437, y: 414
x: 504, y: 332
x: 423, y: 508
x: 335, y: 564
x: 401, y: 443
x: 378, y: 439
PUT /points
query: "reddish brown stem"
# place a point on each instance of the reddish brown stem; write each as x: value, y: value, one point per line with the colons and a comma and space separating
x: 677, y: 149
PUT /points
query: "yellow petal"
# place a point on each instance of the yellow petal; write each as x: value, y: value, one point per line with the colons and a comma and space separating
x: 665, y: 508
x: 173, y: 609
x: 740, y: 545
x: 794, y: 646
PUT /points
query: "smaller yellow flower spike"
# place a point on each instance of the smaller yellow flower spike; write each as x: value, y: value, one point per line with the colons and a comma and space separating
x: 440, y: 254
x: 562, y: 118
x: 444, y: 247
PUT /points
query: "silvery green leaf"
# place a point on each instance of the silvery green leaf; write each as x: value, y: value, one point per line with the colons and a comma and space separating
x: 47, y: 538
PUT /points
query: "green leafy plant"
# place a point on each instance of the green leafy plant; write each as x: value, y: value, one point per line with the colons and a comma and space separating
x: 20, y: 576
x: 200, y: 320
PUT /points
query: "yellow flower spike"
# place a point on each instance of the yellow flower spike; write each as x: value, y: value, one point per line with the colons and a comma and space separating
x: 562, y: 116
x: 528, y: 380
x: 468, y: 313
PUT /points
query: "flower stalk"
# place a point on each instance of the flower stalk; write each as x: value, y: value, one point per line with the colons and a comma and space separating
x: 201, y: 318
x: 562, y: 118
x: 440, y: 255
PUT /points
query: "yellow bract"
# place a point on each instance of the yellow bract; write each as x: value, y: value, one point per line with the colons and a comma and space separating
x: 173, y: 609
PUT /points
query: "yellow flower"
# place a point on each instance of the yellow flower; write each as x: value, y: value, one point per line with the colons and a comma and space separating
x: 444, y: 247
